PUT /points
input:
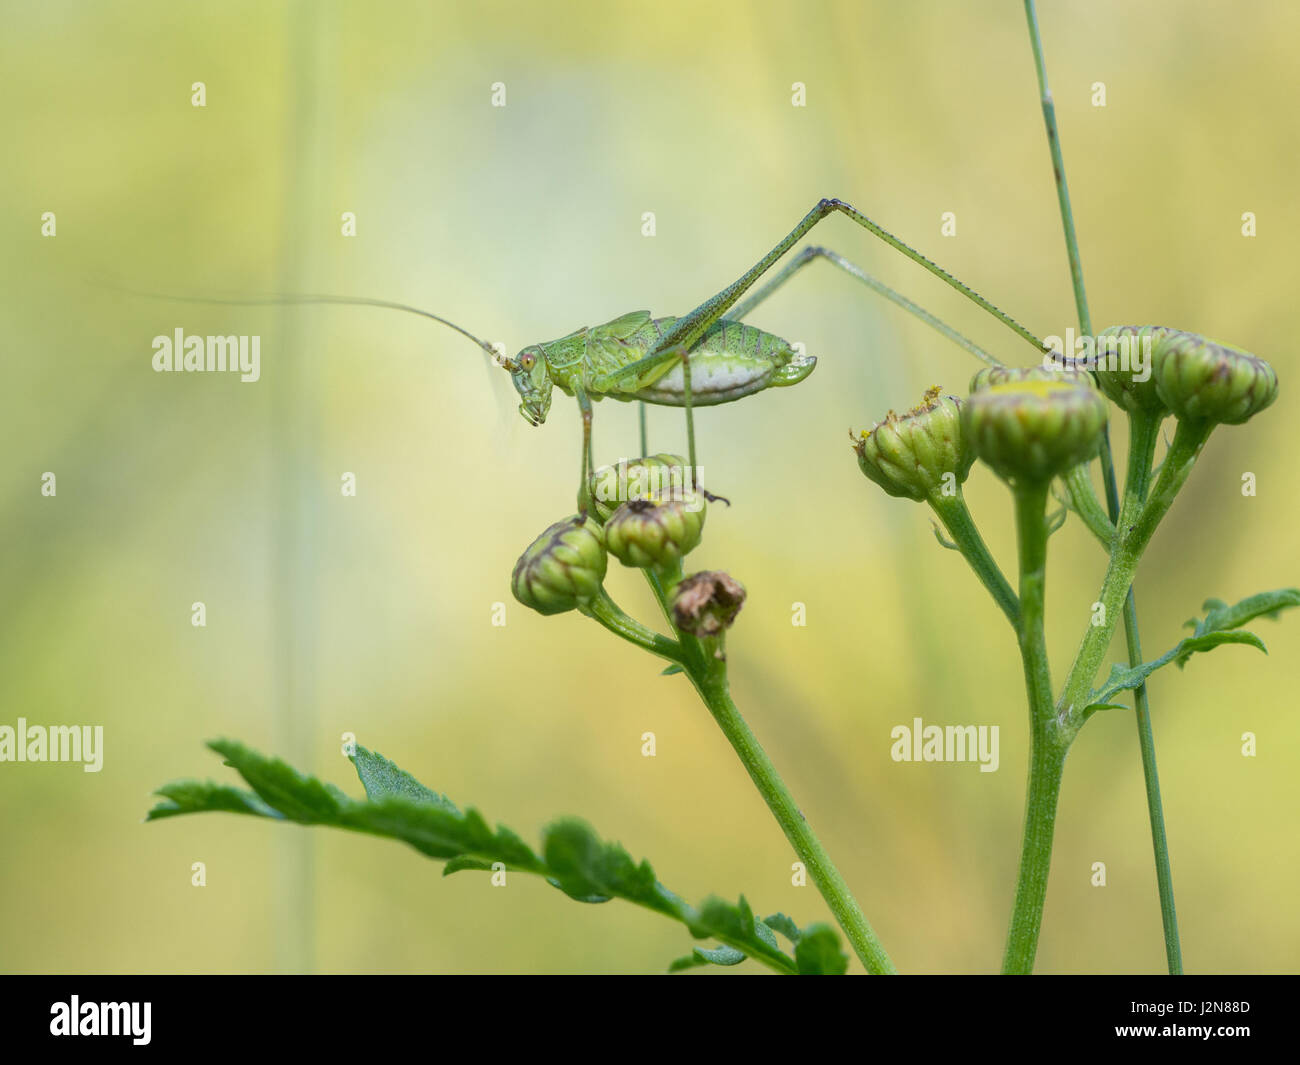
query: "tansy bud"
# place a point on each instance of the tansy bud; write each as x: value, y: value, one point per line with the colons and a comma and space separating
x: 562, y: 568
x: 1134, y: 350
x: 1033, y: 430
x: 909, y: 455
x: 655, y: 477
x: 706, y: 603
x: 1204, y: 380
x: 989, y: 376
x: 646, y: 534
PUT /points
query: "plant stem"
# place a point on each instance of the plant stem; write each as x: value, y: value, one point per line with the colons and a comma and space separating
x: 956, y: 517
x: 704, y: 663
x: 1046, y: 765
x: 1142, y: 444
x: 1137, y: 524
x: 1142, y: 708
x: 1047, y: 745
x: 1088, y: 506
x: 710, y: 681
x: 604, y: 610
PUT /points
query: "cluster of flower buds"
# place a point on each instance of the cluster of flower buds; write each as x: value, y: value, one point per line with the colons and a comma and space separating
x: 1028, y: 425
x: 647, y: 513
x: 1194, y: 378
x: 659, y: 521
x: 910, y: 455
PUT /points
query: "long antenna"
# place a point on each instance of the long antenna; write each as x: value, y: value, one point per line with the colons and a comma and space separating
x: 358, y: 301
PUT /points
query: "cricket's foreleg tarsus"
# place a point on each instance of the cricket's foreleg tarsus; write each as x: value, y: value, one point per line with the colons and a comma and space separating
x: 813, y: 251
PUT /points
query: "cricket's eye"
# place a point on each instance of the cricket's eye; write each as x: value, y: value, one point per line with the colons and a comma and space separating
x: 527, y: 360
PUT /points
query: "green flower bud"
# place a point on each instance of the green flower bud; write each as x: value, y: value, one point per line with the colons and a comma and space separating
x: 706, y: 603
x: 563, y: 568
x: 645, y: 534
x: 909, y: 455
x: 1032, y: 430
x: 1204, y: 380
x: 989, y: 376
x: 1135, y: 350
x: 655, y: 477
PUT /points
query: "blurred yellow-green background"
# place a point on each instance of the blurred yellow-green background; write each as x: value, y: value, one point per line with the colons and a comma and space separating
x: 373, y: 614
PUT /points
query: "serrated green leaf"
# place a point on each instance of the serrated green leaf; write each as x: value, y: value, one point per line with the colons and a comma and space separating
x: 1219, y: 626
x: 746, y: 917
x: 818, y: 952
x: 383, y: 780
x: 193, y: 796
x: 573, y: 858
x: 1210, y: 640
x: 783, y: 924
x: 723, y: 955
x: 766, y: 935
x: 589, y: 870
x: 297, y: 797
x: 727, y: 922
x: 1220, y: 616
x: 688, y: 961
x: 456, y: 865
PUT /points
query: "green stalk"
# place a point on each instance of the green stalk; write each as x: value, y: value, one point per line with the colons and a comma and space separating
x: 709, y: 676
x: 604, y: 610
x: 956, y: 517
x: 1048, y: 746
x: 1087, y: 506
x: 705, y: 664
x: 1137, y: 524
x: 1136, y: 483
x: 1142, y: 710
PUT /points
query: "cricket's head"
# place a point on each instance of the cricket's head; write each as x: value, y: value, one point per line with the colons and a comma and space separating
x: 532, y: 382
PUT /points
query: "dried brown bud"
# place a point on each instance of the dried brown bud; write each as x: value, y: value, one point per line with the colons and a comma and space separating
x: 706, y: 603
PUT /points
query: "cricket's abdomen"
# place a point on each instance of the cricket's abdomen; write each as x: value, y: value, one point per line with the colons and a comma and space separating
x: 730, y: 361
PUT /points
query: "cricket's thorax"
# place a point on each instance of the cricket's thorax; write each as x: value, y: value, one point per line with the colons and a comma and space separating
x: 731, y: 360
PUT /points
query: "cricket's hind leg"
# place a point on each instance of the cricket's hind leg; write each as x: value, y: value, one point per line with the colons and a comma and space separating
x: 811, y: 252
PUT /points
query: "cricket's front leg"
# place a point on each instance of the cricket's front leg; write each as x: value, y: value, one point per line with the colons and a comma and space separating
x: 584, y: 489
x: 630, y: 377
